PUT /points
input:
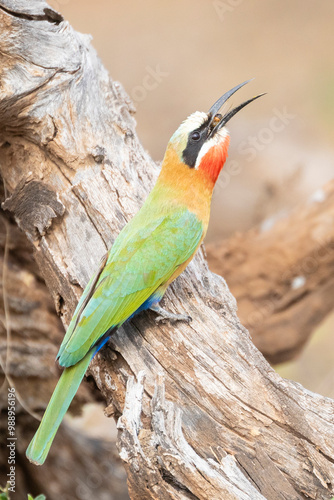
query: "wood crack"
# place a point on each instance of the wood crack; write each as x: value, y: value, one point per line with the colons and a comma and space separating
x: 49, y: 15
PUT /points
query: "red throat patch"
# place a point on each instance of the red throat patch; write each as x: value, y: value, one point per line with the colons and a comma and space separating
x: 213, y: 161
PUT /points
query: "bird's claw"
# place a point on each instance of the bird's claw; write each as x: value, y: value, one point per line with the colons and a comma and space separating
x: 174, y: 318
x: 164, y: 315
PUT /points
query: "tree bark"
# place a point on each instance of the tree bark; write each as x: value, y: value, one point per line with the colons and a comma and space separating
x: 29, y: 327
x: 30, y: 334
x: 282, y: 275
x: 210, y: 418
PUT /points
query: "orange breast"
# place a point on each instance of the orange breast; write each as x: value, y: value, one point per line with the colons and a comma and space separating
x: 188, y: 186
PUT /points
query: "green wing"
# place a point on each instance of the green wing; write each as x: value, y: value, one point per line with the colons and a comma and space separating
x: 143, y: 257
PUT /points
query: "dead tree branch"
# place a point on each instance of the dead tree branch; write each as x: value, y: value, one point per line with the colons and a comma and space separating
x: 223, y: 424
x: 282, y: 275
x: 30, y: 333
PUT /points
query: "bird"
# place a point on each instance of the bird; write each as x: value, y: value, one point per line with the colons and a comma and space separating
x: 153, y: 249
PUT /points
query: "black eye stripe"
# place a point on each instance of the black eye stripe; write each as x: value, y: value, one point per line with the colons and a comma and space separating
x: 194, y: 144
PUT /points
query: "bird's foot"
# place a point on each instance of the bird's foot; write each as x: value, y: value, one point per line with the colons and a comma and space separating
x: 168, y: 316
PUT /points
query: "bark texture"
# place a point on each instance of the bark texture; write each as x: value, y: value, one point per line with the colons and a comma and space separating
x: 29, y: 327
x: 78, y: 467
x: 210, y: 419
x: 30, y: 333
x: 282, y: 275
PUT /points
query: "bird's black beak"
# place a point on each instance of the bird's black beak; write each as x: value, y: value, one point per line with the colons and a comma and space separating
x: 217, y: 121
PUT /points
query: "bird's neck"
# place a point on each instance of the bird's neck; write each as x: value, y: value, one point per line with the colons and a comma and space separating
x: 180, y: 185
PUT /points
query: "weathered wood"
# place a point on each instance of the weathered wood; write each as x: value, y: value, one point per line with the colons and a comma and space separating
x: 29, y: 328
x: 79, y: 467
x: 30, y: 333
x: 67, y: 128
x: 282, y: 275
x: 164, y: 451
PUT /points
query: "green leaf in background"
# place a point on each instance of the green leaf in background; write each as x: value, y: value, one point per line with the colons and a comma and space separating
x: 4, y: 493
x: 5, y: 496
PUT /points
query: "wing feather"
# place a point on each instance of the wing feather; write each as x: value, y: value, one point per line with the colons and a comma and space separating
x: 136, y: 267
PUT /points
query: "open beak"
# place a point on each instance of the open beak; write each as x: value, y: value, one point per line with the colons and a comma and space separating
x: 213, y: 111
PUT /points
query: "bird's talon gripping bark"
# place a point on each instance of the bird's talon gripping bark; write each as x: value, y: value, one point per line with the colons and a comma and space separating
x: 174, y: 319
x: 160, y: 319
x: 165, y: 316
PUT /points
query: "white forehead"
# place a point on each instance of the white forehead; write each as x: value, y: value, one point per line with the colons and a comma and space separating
x: 191, y: 123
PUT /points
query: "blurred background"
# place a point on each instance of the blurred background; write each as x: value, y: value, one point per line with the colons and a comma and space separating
x: 180, y: 56
x: 177, y: 57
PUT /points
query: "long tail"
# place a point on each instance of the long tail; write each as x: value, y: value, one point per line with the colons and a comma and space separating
x: 62, y: 396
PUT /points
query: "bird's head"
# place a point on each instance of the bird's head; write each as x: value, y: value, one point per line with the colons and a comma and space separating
x: 201, y: 141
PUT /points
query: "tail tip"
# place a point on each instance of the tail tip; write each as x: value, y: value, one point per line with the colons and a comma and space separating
x: 31, y: 455
x: 35, y: 462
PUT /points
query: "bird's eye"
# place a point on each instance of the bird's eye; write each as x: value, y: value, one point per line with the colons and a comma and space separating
x: 195, y: 136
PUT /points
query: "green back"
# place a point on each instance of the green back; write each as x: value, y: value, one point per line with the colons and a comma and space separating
x: 143, y: 258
